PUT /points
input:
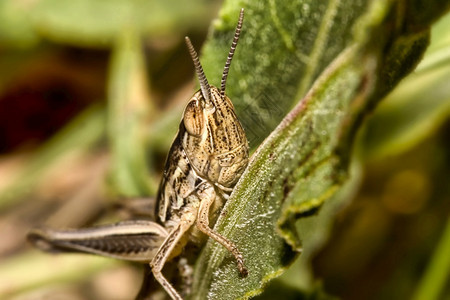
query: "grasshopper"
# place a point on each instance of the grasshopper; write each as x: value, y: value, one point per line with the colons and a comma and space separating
x: 205, y: 161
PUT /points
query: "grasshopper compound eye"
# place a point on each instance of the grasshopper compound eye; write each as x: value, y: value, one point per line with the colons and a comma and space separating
x: 194, y: 119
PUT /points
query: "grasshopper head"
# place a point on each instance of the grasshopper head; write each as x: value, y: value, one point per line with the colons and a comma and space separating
x: 213, y: 139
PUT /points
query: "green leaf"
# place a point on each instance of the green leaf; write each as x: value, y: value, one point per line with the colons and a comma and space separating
x: 129, y: 111
x: 352, y: 55
x: 314, y: 231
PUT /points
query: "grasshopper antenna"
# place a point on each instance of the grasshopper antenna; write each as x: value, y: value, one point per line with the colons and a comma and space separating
x: 237, y: 33
x: 204, y: 85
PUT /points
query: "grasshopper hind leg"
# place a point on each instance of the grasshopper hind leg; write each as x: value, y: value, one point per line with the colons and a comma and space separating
x: 136, y: 240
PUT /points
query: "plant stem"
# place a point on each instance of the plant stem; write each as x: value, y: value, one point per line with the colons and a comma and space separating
x: 436, y: 275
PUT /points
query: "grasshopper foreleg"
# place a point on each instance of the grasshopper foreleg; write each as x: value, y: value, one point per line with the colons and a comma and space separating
x: 207, y: 195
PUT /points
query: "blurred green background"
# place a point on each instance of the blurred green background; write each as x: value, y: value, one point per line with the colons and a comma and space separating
x: 66, y: 66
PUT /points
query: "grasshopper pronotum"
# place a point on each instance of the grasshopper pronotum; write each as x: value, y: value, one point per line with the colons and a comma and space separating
x: 207, y: 157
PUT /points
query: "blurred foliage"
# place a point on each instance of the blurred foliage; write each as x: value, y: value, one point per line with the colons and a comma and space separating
x: 94, y: 23
x: 343, y: 58
x: 129, y: 112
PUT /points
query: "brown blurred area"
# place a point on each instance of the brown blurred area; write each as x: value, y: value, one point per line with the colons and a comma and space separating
x: 45, y: 91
